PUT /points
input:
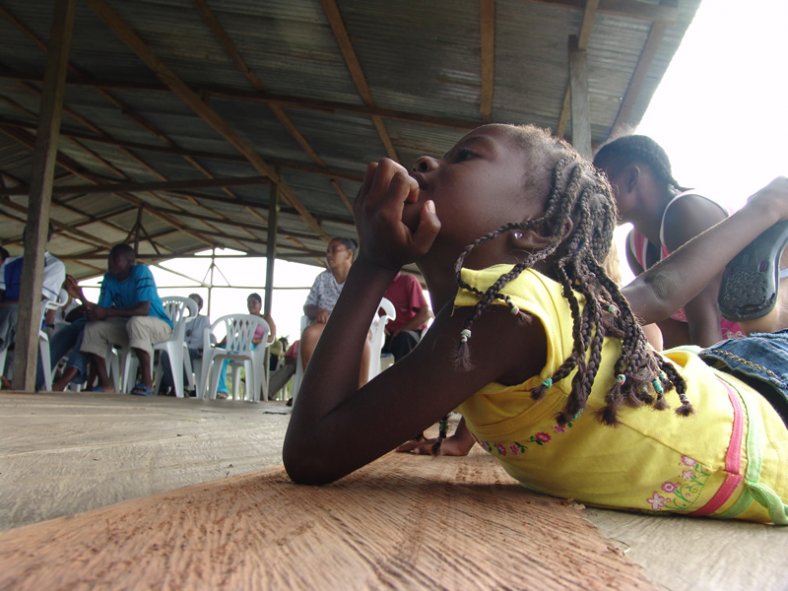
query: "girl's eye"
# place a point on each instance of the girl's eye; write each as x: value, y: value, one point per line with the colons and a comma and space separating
x: 463, y: 154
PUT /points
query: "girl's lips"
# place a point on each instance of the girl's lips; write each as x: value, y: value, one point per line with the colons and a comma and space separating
x: 419, y: 179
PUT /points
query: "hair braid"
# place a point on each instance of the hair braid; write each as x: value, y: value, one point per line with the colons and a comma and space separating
x: 578, y: 197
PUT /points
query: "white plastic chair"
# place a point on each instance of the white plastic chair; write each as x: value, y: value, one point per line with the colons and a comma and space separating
x: 175, y: 347
x: 377, y: 338
x: 43, y: 342
x: 124, y: 362
x: 238, y: 347
x: 378, y: 335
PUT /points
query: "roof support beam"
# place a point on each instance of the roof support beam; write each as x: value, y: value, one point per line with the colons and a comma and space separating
x: 24, y: 138
x: 334, y: 17
x: 146, y: 187
x: 624, y: 116
x: 122, y: 107
x: 578, y: 82
x: 270, y: 250
x: 284, y: 119
x: 43, y: 171
x: 280, y: 163
x: 285, y: 101
x: 591, y: 8
x: 487, y: 41
x: 193, y: 101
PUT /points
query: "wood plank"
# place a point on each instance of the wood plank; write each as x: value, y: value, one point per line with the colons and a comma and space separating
x: 288, y: 101
x: 404, y: 522
x: 62, y: 454
x: 270, y: 250
x: 581, y: 113
x: 624, y: 117
x: 334, y: 17
x: 42, y: 178
x: 583, y: 37
x: 487, y: 41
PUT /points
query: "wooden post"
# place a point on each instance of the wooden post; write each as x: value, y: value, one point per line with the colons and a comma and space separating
x: 270, y: 251
x: 43, y: 169
x: 578, y: 82
x: 210, y: 285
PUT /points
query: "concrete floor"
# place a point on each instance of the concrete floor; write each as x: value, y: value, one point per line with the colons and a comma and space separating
x: 61, y: 454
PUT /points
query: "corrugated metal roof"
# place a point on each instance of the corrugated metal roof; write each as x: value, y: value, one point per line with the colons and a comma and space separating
x: 295, y: 100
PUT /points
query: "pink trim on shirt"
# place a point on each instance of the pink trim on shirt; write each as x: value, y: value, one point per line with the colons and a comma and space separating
x: 732, y: 459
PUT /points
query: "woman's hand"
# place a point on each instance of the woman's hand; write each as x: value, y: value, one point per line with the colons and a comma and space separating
x: 394, y: 228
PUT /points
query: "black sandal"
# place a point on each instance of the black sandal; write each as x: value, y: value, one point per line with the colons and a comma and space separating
x: 750, y: 281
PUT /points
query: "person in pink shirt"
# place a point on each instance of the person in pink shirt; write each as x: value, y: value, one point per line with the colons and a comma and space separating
x: 413, y: 313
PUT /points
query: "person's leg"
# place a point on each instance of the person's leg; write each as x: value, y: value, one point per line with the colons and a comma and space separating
x: 8, y: 316
x: 167, y: 383
x: 69, y: 374
x: 403, y: 343
x: 221, y: 388
x: 143, y: 331
x: 761, y: 360
x: 98, y: 337
x: 65, y: 339
x: 60, y: 343
x: 309, y: 339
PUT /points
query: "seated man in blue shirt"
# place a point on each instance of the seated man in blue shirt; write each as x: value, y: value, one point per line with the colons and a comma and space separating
x: 129, y: 312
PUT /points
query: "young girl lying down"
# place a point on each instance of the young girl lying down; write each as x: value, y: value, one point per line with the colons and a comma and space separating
x: 536, y: 346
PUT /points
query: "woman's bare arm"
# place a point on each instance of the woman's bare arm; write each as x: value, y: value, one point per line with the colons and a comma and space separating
x: 676, y: 280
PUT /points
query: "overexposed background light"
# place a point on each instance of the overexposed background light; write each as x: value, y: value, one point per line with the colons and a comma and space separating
x: 720, y: 112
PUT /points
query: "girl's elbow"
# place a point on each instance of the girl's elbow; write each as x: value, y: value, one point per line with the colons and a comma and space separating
x: 303, y: 467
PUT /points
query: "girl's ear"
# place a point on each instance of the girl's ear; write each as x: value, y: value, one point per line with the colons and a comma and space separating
x: 630, y: 177
x: 532, y: 239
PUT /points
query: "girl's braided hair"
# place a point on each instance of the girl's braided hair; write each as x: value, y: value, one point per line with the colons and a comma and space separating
x: 576, y: 191
x: 638, y: 148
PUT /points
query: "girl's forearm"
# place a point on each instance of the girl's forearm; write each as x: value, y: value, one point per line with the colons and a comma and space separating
x: 676, y: 280
x: 333, y: 372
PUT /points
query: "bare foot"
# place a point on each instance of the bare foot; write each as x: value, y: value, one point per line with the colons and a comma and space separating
x: 451, y: 446
x: 412, y: 444
x: 65, y: 379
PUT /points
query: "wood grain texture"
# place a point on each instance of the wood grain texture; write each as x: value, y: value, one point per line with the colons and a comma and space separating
x: 404, y: 522
x: 62, y: 454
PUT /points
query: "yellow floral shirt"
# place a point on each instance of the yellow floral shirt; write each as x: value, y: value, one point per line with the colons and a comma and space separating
x: 727, y: 460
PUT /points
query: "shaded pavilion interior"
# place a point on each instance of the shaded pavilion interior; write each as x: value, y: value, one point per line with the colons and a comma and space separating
x: 184, y: 125
x: 196, y: 124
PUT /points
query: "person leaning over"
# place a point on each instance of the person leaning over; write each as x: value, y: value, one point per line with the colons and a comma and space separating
x: 129, y: 312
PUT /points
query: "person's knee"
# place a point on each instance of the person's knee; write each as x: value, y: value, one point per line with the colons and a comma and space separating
x: 311, y: 335
x: 402, y: 344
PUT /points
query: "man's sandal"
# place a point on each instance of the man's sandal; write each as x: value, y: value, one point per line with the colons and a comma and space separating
x: 142, y: 390
x: 750, y: 281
